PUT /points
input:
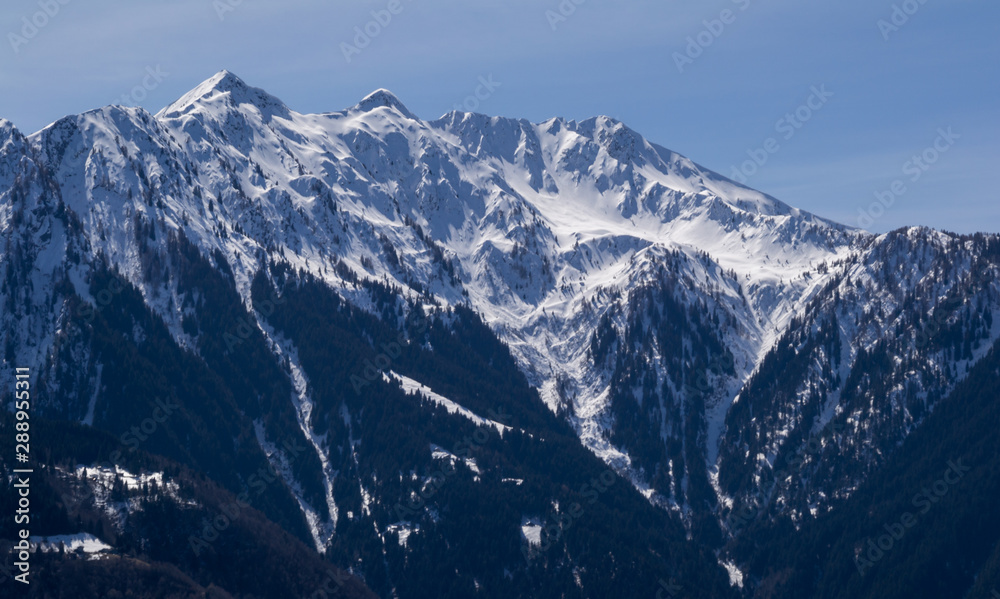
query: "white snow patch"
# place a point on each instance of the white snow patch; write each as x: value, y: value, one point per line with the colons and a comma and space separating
x: 735, y: 575
x: 404, y: 530
x: 439, y: 453
x: 531, y: 531
x: 86, y: 542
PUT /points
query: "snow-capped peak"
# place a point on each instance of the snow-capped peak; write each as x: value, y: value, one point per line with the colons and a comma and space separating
x: 383, y: 98
x: 227, y: 88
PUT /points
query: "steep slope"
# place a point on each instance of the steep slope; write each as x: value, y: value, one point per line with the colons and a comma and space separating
x: 925, y: 525
x: 845, y: 386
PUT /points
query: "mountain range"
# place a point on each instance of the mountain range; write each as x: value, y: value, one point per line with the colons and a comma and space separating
x: 359, y: 353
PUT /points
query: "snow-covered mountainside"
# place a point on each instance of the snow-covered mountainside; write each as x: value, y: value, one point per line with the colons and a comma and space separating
x: 650, y: 301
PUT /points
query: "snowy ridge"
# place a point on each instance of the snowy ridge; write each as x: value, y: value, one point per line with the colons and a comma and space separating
x: 412, y: 387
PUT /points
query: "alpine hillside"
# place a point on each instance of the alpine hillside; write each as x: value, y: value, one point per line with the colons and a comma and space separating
x: 474, y: 356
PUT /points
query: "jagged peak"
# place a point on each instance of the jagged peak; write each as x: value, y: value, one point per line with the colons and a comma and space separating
x: 226, y: 85
x: 7, y: 130
x: 601, y: 121
x: 457, y: 119
x: 10, y: 137
x: 383, y: 98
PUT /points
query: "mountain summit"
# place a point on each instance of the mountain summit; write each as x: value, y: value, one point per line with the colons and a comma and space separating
x: 224, y: 88
x: 383, y: 98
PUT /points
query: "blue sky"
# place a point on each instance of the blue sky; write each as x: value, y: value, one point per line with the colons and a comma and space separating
x: 890, y: 92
